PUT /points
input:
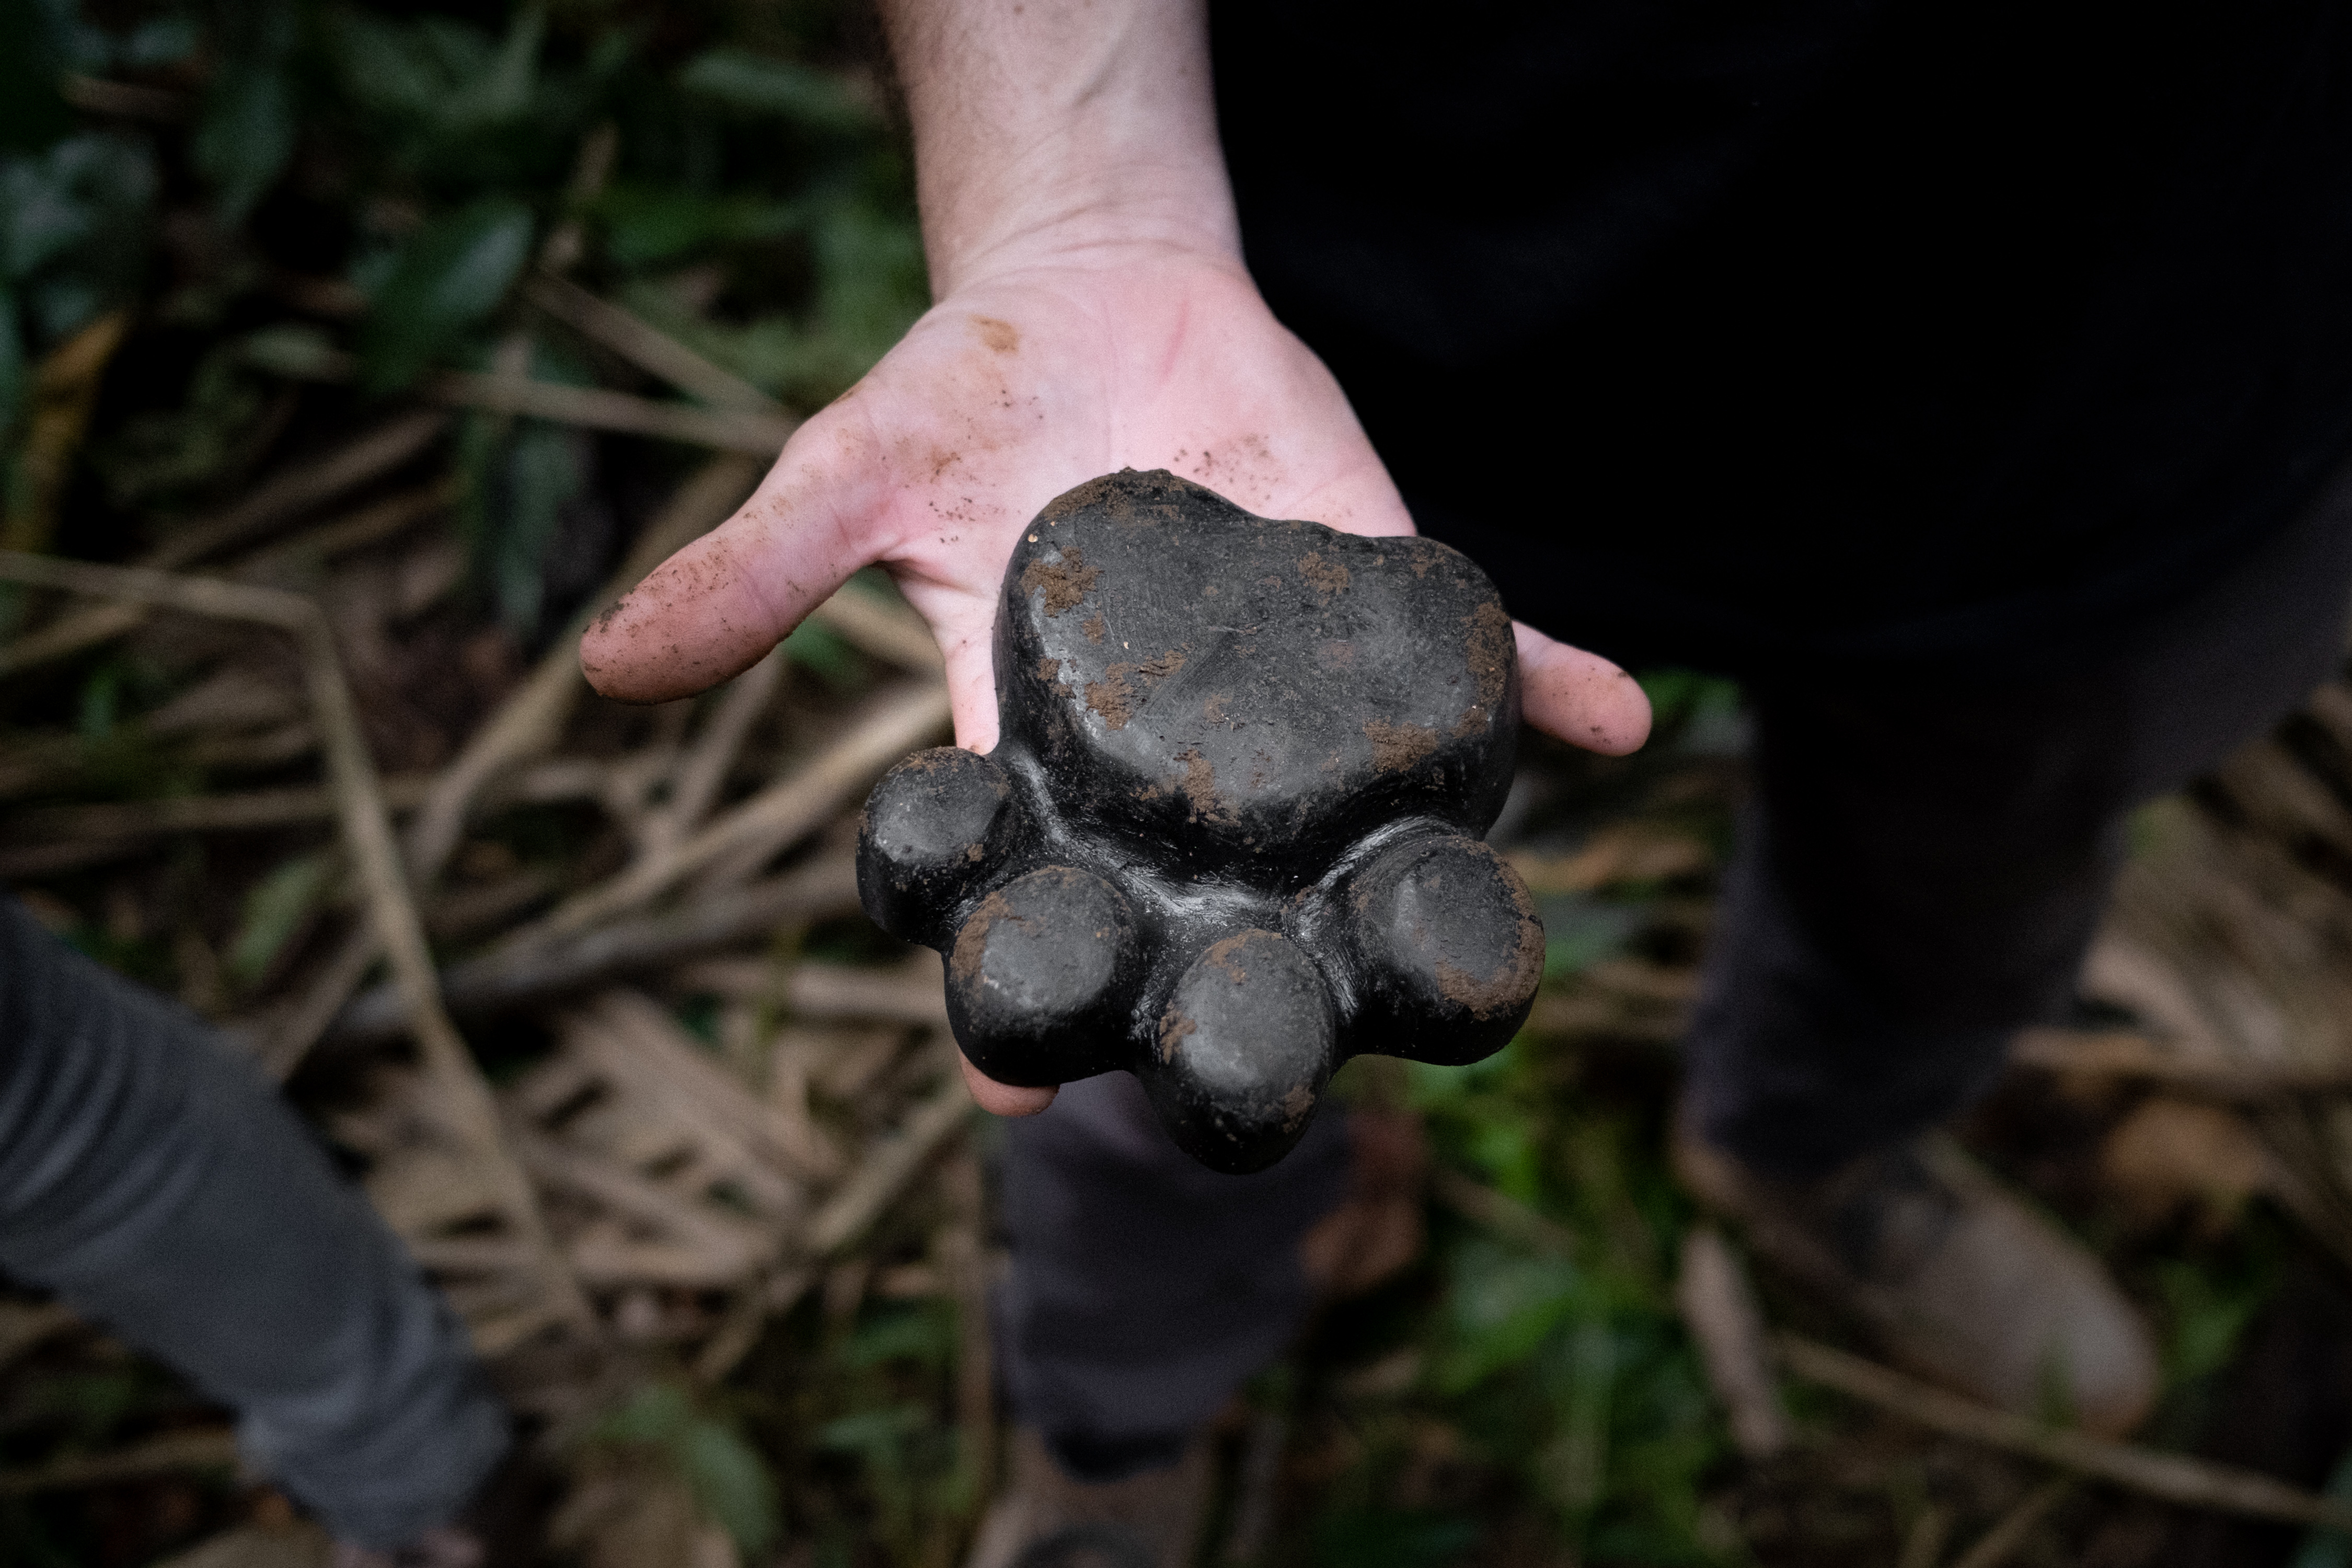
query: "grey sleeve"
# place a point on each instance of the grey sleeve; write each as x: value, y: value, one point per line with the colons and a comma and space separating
x: 155, y: 1181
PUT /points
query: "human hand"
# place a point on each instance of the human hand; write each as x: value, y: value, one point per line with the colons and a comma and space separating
x: 1094, y: 314
x: 1002, y: 396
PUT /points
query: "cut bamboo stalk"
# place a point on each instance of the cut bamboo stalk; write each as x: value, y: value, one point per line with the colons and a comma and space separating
x: 367, y: 830
x: 644, y: 344
x: 892, y: 724
x: 504, y: 979
x: 2175, y: 1477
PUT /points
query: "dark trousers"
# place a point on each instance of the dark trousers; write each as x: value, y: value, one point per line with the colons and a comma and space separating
x: 1919, y: 870
x: 158, y: 1183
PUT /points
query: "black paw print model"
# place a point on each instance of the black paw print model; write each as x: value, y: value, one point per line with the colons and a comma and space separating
x: 1230, y: 837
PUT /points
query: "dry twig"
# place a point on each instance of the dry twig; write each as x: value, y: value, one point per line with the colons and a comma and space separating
x: 506, y: 979
x: 284, y: 495
x: 1720, y: 1311
x: 643, y: 344
x: 1998, y: 1544
x: 893, y: 723
x: 367, y: 830
x: 198, y: 1448
x: 2175, y: 1477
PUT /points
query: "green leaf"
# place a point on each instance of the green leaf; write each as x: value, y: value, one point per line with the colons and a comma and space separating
x: 451, y: 276
x: 1381, y: 1539
x: 543, y: 469
x: 32, y: 114
x: 730, y: 1483
x: 757, y: 84
x: 245, y: 135
x: 12, y: 362
x: 1500, y: 1307
x: 646, y: 225
x: 275, y: 909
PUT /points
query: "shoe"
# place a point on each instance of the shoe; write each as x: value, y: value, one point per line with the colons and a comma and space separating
x: 1960, y: 1281
x: 1047, y: 1517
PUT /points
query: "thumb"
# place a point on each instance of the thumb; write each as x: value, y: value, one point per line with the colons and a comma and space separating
x: 1580, y: 697
x: 716, y: 607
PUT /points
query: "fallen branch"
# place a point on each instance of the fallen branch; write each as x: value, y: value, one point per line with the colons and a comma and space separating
x: 277, y: 498
x: 874, y: 625
x: 529, y: 721
x: 507, y: 979
x: 702, y: 773
x: 198, y: 1448
x: 279, y: 807
x: 1498, y: 1212
x: 886, y: 1169
x: 892, y: 725
x: 2175, y: 1477
x: 1719, y: 1310
x: 643, y: 344
x: 758, y: 434
x: 2126, y: 1053
x: 367, y: 830
x: 883, y: 1174
x: 1998, y: 1544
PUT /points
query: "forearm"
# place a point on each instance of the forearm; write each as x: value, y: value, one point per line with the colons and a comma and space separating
x: 1047, y: 127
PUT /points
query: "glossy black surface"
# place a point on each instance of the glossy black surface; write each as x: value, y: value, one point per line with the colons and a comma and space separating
x: 1230, y: 834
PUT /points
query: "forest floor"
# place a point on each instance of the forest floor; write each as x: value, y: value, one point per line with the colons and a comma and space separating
x: 679, y: 1131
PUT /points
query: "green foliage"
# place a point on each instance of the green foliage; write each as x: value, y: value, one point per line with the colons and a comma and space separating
x: 729, y: 1481
x: 1571, y: 1372
x: 450, y: 277
x: 1382, y: 1538
x: 758, y: 85
x: 247, y: 131
x: 74, y: 224
x: 276, y: 907
x: 2208, y: 1311
x: 32, y: 111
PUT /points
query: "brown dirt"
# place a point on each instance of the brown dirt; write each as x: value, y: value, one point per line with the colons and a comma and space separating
x: 1397, y: 747
x: 1515, y: 979
x: 1493, y: 650
x: 1112, y: 697
x: 1329, y: 578
x: 1066, y: 583
x: 972, y: 942
x: 1173, y: 1028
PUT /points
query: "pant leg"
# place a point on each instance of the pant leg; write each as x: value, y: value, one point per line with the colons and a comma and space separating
x: 1145, y: 1289
x: 156, y: 1182
x: 1922, y: 867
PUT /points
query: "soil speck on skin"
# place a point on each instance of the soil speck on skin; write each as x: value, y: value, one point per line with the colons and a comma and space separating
x: 1064, y: 583
x: 1093, y: 627
x: 1164, y: 666
x: 1049, y: 669
x: 1337, y: 655
x: 1396, y: 747
x: 1172, y: 1030
x: 1328, y: 578
x: 1296, y: 1107
x: 1002, y: 337
x: 1213, y: 709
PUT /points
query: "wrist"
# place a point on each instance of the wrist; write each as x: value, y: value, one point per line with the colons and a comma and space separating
x: 1084, y: 223
x: 1061, y: 128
